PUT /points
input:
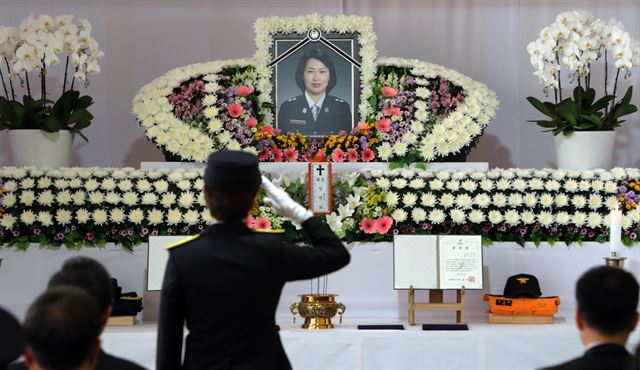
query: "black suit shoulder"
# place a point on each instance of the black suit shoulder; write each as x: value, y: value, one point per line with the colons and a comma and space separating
x: 604, y: 356
x: 109, y: 362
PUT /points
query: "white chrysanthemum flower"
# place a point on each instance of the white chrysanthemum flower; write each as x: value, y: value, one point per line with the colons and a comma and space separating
x: 482, y: 200
x: 168, y: 200
x: 125, y: 185
x: 418, y: 214
x: 186, y: 199
x: 528, y: 217
x: 476, y: 216
x: 457, y: 216
x: 546, y: 200
x: 519, y: 185
x: 464, y: 201
x: 83, y: 216
x: 155, y: 217
x: 399, y: 183
x: 486, y: 185
x: 191, y: 217
x: 447, y: 200
x: 571, y: 186
x: 561, y: 200
x: 399, y: 215
x: 392, y: 199
x: 383, y: 183
x: 578, y: 201
x: 7, y: 221
x: 117, y: 215
x: 184, y: 185
x: 385, y: 151
x: 409, y: 199
x: 45, y: 218
x: 428, y: 200
x: 107, y: 184
x: 515, y: 200
x: 44, y: 182
x: 27, y: 183
x: 595, y: 201
x: 10, y: 186
x: 610, y: 187
x: 443, y: 175
x: 545, y: 218
x: 579, y: 218
x: 100, y: 217
x: 78, y: 197
x: 594, y: 220
x: 417, y: 183
x: 563, y: 218
x: 149, y: 198
x: 143, y: 185
x: 46, y: 198
x: 130, y: 198
x: 27, y: 198
x: 136, y: 216
x: 530, y: 200
x: 469, y: 186
x: 585, y: 185
x: 436, y: 184
x: 499, y: 199
x: 112, y: 197
x: 8, y: 201
x: 28, y: 217
x: 512, y: 217
x: 161, y: 186
x: 436, y: 216
x: 503, y: 184
x: 453, y: 185
x: 495, y: 217
x: 96, y: 197
x: 174, y: 217
x: 536, y: 184
x: 597, y: 186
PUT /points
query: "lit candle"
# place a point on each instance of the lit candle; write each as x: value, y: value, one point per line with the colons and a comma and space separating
x: 615, y: 231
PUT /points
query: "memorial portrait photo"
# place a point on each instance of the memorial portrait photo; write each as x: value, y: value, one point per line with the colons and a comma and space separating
x: 315, y: 90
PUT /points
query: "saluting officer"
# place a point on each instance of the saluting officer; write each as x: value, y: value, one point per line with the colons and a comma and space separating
x: 315, y: 112
x: 226, y: 281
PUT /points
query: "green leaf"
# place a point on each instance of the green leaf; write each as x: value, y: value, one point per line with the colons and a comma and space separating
x: 627, y: 96
x: 421, y: 166
x: 623, y: 110
x: 50, y: 124
x: 601, y: 103
x: 486, y: 241
x: 543, y: 108
x: 569, y: 111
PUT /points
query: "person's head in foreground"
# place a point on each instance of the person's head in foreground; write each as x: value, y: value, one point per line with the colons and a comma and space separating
x: 316, y: 73
x: 89, y: 275
x: 607, y: 299
x: 62, y: 328
x: 231, y: 182
x: 12, y: 339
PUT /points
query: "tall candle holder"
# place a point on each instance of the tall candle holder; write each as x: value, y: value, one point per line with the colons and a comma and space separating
x: 614, y: 260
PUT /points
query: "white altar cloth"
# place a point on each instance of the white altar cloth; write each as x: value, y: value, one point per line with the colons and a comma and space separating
x: 484, y: 346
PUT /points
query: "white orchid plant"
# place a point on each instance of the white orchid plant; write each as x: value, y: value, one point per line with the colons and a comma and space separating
x: 36, y: 46
x: 574, y: 43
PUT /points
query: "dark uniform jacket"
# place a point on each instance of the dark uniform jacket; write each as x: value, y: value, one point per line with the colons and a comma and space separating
x: 226, y: 285
x: 601, y: 357
x: 334, y: 115
x: 105, y: 362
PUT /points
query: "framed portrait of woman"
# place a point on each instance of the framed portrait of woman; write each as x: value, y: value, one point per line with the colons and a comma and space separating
x: 316, y: 82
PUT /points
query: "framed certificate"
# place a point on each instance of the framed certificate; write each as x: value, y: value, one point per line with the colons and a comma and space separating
x: 320, y: 188
x: 460, y: 261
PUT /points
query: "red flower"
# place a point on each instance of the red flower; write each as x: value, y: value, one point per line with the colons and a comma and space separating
x: 368, y: 155
x: 338, y: 155
x: 250, y: 222
x: 383, y: 125
x: 264, y: 154
x: 320, y: 156
x: 383, y: 224
x: 251, y: 122
x: 266, y: 130
x: 389, y: 92
x: 235, y: 110
x: 291, y: 154
x: 243, y: 90
x: 263, y: 223
x: 277, y: 154
x: 352, y: 155
x: 368, y: 226
x: 393, y: 111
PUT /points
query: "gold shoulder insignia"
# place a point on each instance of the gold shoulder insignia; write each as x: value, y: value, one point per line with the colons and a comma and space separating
x: 181, y: 242
x: 271, y: 231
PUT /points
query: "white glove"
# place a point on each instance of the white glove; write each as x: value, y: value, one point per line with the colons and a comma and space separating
x: 282, y: 203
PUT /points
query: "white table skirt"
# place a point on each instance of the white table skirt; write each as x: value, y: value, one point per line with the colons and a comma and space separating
x: 484, y: 346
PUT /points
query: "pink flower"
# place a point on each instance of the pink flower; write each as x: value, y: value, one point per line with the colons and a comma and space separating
x: 389, y: 92
x: 352, y: 155
x: 251, y: 122
x: 338, y: 155
x: 250, y: 222
x: 235, y: 110
x: 368, y: 155
x: 383, y: 224
x: 243, y: 90
x: 291, y: 154
x: 368, y: 226
x: 392, y: 111
x: 263, y: 223
x: 383, y: 125
x: 277, y: 154
x: 266, y: 130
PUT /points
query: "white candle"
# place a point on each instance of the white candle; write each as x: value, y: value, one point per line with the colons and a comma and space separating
x: 615, y: 232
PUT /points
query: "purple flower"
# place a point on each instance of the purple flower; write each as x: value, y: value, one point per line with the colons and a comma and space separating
x: 465, y: 228
x: 633, y: 236
x: 90, y: 237
x: 15, y: 232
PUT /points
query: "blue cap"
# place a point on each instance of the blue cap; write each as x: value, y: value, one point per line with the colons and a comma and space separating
x: 232, y: 171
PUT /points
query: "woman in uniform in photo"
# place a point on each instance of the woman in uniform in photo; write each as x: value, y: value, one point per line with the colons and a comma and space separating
x: 315, y: 112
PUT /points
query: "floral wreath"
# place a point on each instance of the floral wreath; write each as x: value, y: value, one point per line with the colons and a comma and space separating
x: 411, y: 110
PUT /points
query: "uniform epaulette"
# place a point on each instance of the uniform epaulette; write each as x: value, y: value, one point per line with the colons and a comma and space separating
x: 127, y: 298
x: 293, y: 99
x: 339, y: 100
x: 270, y: 231
x: 181, y: 242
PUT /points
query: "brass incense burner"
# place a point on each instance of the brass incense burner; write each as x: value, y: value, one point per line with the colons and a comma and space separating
x: 317, y: 310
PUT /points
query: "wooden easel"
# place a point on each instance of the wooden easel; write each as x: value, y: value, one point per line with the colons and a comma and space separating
x: 435, y: 304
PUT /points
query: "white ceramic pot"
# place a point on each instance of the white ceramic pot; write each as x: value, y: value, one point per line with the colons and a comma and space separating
x: 40, y: 148
x: 585, y: 150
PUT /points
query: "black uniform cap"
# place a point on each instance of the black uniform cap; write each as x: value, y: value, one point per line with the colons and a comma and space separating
x: 232, y: 171
x: 522, y: 285
x: 12, y: 339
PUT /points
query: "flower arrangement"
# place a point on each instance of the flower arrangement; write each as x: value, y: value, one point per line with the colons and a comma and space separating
x: 575, y: 42
x: 629, y: 195
x: 79, y: 207
x: 411, y: 111
x: 36, y: 46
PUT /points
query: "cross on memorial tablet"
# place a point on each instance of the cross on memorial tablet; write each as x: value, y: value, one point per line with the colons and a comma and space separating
x: 320, y: 169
